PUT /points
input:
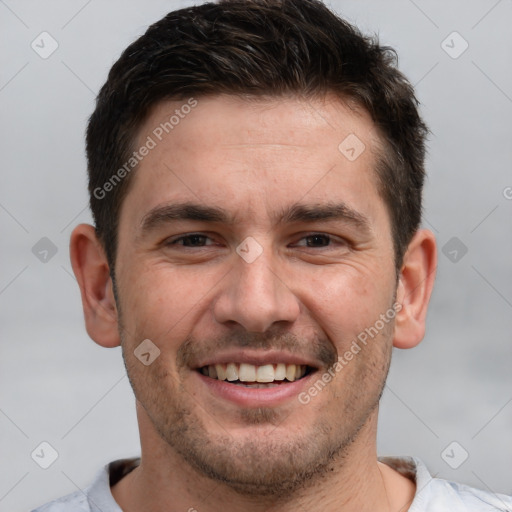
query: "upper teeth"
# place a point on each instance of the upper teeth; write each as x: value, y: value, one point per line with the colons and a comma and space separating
x: 251, y: 373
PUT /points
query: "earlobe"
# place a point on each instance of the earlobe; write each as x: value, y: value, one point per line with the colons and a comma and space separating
x: 415, y: 285
x: 91, y: 269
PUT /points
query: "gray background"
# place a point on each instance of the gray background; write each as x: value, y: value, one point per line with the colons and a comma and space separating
x: 60, y: 387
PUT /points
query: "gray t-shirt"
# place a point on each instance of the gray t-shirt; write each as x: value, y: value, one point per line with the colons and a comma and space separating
x: 432, y: 494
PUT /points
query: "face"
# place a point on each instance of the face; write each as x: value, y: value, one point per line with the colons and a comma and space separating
x: 252, y: 253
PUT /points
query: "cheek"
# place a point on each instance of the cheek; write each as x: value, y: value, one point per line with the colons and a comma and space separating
x: 347, y: 301
x: 161, y: 303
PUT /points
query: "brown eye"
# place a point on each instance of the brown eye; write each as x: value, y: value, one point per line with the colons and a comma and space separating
x: 192, y: 240
x: 317, y: 240
x: 321, y: 241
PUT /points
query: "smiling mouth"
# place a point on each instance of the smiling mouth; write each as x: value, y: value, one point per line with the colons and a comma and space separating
x: 253, y: 376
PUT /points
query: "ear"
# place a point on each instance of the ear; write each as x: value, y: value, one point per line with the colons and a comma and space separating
x: 91, y: 269
x: 415, y: 285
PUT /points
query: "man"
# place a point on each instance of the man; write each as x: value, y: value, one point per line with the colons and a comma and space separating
x: 255, y: 177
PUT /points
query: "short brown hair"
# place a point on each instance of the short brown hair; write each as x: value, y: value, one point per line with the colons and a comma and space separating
x: 257, y: 48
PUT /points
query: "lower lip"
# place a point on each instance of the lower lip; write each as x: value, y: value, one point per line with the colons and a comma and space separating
x: 255, y: 397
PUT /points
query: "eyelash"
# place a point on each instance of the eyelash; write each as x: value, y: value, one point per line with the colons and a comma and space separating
x: 331, y: 239
x: 185, y: 237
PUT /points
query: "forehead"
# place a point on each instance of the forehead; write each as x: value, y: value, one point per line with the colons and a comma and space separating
x: 254, y: 156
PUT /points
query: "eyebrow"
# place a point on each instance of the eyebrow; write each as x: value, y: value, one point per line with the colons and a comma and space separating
x: 296, y: 213
x: 325, y: 212
x: 182, y: 211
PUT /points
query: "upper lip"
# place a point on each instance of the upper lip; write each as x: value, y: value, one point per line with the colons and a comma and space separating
x: 257, y: 358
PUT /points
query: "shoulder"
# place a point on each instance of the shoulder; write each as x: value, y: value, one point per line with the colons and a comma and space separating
x: 439, y: 495
x: 452, y: 494
x: 98, y: 496
x: 76, y: 501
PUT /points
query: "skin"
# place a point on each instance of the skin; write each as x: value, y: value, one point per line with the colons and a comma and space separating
x: 305, y: 296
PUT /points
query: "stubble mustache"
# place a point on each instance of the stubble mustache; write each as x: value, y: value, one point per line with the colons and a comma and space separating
x: 194, y: 349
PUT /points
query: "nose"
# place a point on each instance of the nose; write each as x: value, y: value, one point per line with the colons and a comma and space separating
x: 255, y: 296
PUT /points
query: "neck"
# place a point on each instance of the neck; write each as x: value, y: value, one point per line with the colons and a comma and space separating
x: 355, y: 482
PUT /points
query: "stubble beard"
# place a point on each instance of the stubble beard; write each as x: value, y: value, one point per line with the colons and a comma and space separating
x: 266, y: 467
x: 269, y: 466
